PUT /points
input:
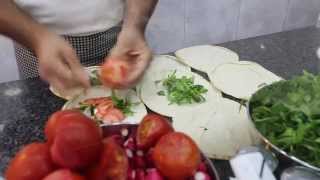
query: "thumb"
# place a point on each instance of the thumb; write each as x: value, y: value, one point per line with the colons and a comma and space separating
x: 78, y: 72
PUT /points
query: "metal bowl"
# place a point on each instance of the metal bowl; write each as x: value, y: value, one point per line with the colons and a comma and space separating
x: 116, y: 129
x: 269, y: 146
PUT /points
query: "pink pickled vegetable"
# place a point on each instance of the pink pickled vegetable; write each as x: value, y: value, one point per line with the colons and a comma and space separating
x: 201, y: 176
x: 153, y: 174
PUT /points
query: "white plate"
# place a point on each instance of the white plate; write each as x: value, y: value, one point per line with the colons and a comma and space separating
x: 74, y: 92
x: 99, y: 91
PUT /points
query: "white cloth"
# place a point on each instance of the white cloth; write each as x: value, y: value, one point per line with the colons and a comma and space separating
x: 75, y: 17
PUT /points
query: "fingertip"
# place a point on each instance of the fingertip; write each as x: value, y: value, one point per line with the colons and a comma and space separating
x: 82, y: 77
x: 85, y: 81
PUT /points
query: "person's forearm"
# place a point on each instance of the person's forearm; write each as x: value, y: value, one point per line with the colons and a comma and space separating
x: 17, y: 25
x: 138, y: 13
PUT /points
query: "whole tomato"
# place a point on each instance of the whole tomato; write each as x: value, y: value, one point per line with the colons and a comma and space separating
x: 176, y: 156
x: 77, y: 142
x: 113, y: 163
x: 63, y: 174
x: 114, y: 73
x: 58, y: 118
x: 151, y: 129
x: 30, y: 163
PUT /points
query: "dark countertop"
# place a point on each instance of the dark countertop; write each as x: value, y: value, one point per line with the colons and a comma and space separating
x: 26, y: 104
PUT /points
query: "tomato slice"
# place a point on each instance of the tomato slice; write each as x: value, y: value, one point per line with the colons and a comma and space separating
x: 113, y: 115
x: 102, y: 109
x: 97, y: 101
x: 114, y: 73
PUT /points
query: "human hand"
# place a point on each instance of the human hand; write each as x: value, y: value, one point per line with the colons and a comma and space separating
x: 59, y: 64
x: 132, y: 48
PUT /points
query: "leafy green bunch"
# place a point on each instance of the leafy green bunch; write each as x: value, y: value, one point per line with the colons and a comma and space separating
x: 125, y: 105
x: 288, y: 114
x: 182, y: 90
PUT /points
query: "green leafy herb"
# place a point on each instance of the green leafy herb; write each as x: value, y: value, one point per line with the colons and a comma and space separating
x: 288, y: 114
x: 182, y: 90
x: 125, y: 105
x: 86, y: 107
x: 94, y: 78
x: 161, y: 93
x: 157, y: 81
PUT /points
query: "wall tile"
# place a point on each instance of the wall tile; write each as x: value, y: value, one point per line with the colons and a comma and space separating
x: 259, y: 17
x: 8, y: 66
x: 211, y: 21
x: 165, y: 32
x: 302, y: 13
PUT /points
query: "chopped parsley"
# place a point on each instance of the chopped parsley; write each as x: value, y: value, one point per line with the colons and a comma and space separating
x: 182, y: 90
x: 94, y: 78
x: 125, y: 105
x: 161, y: 93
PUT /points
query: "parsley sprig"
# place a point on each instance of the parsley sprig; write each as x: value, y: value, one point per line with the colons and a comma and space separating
x: 125, y: 105
x: 94, y: 78
x: 182, y: 90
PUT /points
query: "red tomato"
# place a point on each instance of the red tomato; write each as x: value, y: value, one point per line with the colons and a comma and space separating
x: 113, y: 163
x: 77, y: 143
x: 30, y: 163
x: 103, y: 108
x: 61, y: 117
x: 113, y: 115
x: 176, y: 156
x: 97, y: 101
x: 151, y: 129
x: 114, y: 73
x: 63, y: 174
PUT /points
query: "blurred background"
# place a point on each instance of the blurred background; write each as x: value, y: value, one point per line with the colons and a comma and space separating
x: 182, y: 23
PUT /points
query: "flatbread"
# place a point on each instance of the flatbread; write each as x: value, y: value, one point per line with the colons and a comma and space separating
x: 268, y: 76
x: 241, y: 79
x: 161, y: 105
x: 192, y: 124
x: 206, y: 57
x: 227, y: 131
x: 164, y: 63
x: 69, y: 94
x: 100, y: 91
x: 161, y: 63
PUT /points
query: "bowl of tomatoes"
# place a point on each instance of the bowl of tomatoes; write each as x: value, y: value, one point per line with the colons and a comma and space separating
x: 76, y: 148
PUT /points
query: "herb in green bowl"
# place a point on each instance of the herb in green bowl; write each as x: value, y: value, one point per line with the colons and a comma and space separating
x: 182, y: 90
x: 287, y: 113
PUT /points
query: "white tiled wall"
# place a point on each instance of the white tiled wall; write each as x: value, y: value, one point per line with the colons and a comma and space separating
x: 181, y: 23
x: 302, y: 13
x: 166, y: 30
x: 211, y: 21
x: 261, y: 17
x: 8, y: 66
